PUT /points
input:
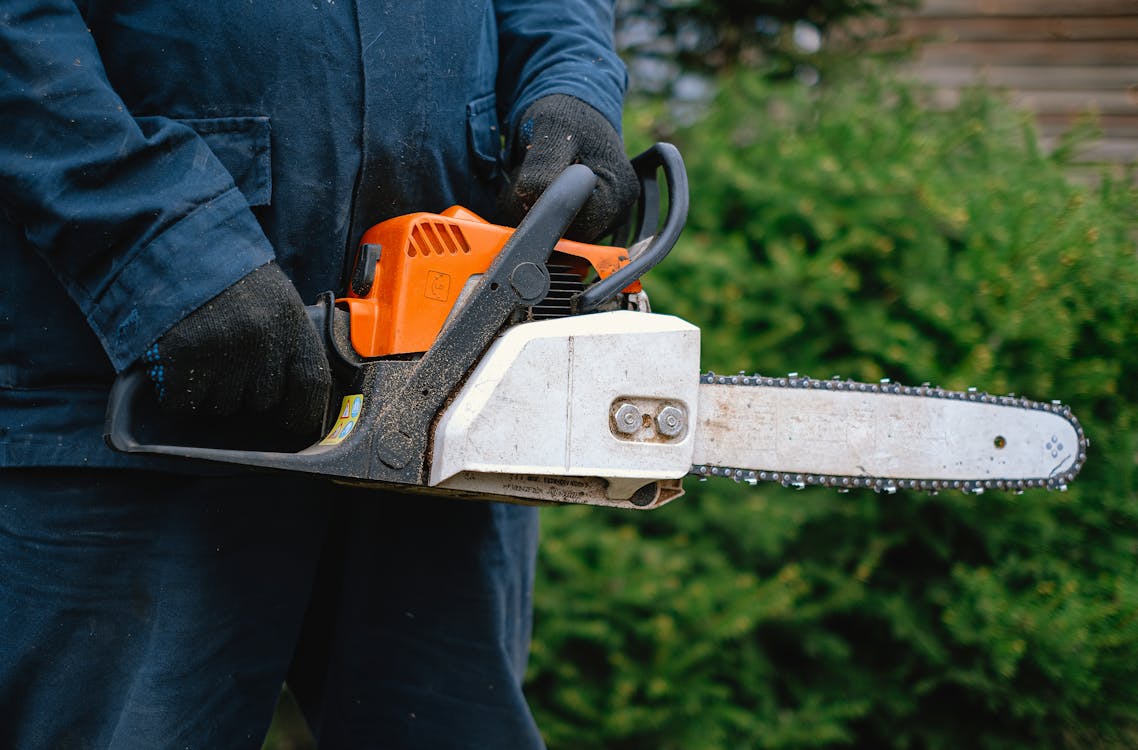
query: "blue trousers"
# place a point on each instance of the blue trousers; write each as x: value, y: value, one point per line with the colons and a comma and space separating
x: 149, y: 610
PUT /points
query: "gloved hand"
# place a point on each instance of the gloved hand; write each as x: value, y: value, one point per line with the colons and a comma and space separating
x: 557, y: 131
x: 251, y: 348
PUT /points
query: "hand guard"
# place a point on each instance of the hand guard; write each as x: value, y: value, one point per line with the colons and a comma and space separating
x: 557, y: 131
x: 251, y: 348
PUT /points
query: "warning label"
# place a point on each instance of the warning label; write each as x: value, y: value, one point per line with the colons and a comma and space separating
x: 350, y: 410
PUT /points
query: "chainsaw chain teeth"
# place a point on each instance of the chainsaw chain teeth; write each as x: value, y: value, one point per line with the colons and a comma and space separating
x: 885, y: 484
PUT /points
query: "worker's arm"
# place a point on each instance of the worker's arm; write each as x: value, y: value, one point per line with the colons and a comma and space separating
x: 558, y: 47
x: 562, y: 85
x: 146, y: 230
x: 137, y: 218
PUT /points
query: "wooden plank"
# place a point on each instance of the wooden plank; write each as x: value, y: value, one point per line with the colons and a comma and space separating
x: 1119, y: 125
x: 1035, y: 8
x: 1033, y: 77
x: 1031, y: 53
x: 1090, y: 176
x: 1114, y: 150
x: 1062, y: 102
x: 978, y: 29
x: 1074, y: 102
x: 1070, y: 103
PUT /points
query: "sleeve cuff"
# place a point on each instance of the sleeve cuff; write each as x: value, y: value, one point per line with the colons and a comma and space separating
x: 185, y: 267
x: 581, y: 82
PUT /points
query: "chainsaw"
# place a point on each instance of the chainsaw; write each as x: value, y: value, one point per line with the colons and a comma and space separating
x: 477, y: 361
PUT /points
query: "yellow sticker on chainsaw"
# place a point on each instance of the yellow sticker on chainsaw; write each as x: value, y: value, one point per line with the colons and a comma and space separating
x: 349, y: 414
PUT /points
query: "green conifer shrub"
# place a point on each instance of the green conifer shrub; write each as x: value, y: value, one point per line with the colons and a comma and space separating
x: 857, y: 229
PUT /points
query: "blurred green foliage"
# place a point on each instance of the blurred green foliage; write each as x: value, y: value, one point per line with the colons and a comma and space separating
x: 856, y: 229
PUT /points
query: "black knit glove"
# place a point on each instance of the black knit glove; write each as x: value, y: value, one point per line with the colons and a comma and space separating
x: 557, y: 131
x: 251, y: 348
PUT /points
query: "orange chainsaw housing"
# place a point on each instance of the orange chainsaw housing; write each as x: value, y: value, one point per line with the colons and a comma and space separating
x: 424, y: 262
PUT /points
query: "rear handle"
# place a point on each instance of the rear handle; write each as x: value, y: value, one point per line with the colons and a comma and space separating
x: 660, y: 156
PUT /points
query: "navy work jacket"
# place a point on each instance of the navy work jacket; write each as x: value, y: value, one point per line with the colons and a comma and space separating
x: 153, y: 152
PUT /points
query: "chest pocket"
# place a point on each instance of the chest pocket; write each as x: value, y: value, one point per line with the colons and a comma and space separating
x: 484, y: 136
x: 242, y: 145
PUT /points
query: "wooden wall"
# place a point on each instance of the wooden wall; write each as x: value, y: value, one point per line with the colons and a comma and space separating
x: 1058, y: 58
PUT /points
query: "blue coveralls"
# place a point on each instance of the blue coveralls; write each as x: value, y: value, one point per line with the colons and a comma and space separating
x: 152, y: 152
